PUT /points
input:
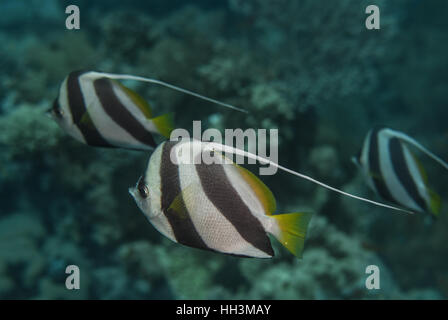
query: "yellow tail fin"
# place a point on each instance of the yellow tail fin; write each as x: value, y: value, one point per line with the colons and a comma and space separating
x: 293, y: 227
x: 164, y: 124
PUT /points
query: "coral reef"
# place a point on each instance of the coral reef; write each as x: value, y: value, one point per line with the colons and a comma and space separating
x: 308, y: 69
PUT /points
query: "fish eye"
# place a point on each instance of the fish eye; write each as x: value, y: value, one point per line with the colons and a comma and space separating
x: 142, y: 188
x: 56, y: 110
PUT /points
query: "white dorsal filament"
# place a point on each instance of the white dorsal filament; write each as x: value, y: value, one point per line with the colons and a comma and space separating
x: 164, y: 84
x: 224, y: 148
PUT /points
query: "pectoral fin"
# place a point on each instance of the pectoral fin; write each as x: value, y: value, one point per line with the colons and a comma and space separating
x: 87, y: 122
x: 376, y: 176
x: 186, y: 197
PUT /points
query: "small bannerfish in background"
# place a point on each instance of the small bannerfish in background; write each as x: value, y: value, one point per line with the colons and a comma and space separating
x: 395, y: 173
x: 99, y: 111
x: 220, y: 207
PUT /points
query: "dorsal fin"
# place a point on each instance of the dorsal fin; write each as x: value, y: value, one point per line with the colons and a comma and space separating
x: 167, y: 85
x: 421, y: 169
x: 213, y: 146
x: 141, y: 103
x: 435, y: 203
x: 262, y: 192
x: 413, y: 142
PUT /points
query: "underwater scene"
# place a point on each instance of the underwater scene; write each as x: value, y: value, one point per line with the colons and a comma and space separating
x: 352, y: 96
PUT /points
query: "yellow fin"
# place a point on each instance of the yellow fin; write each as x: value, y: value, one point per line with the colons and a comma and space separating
x: 137, y: 100
x: 164, y: 124
x: 86, y: 121
x: 376, y: 176
x: 293, y: 228
x: 178, y: 206
x: 261, y: 190
x: 435, y: 203
x: 421, y: 169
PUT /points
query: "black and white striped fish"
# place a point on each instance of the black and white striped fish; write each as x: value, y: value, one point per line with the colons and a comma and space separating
x: 99, y: 111
x: 220, y: 207
x: 393, y: 171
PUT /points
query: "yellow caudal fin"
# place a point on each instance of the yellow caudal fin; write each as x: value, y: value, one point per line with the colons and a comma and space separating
x: 435, y: 203
x: 164, y: 124
x: 137, y: 100
x: 293, y: 227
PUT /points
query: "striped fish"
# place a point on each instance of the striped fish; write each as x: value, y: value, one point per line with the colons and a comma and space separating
x: 220, y: 207
x: 99, y: 111
x: 394, y: 173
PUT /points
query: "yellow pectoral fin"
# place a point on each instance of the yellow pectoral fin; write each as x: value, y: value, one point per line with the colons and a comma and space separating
x: 136, y: 99
x: 261, y: 190
x: 86, y: 121
x: 164, y: 124
x: 179, y: 205
x: 376, y: 176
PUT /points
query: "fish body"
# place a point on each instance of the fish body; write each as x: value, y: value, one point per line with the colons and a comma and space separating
x: 394, y: 172
x: 99, y: 111
x: 220, y: 207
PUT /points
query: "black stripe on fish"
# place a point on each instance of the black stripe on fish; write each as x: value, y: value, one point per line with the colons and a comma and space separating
x: 56, y: 109
x: 78, y: 109
x: 183, y: 227
x: 120, y: 114
x: 374, y: 167
x: 225, y: 198
x: 75, y: 96
x: 401, y: 169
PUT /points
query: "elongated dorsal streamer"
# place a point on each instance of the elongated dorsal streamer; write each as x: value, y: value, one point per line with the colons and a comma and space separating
x: 413, y: 142
x: 223, y: 148
x: 173, y: 87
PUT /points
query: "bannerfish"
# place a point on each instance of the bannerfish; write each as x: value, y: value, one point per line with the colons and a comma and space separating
x: 219, y: 207
x: 216, y: 205
x: 394, y: 173
x: 97, y: 110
